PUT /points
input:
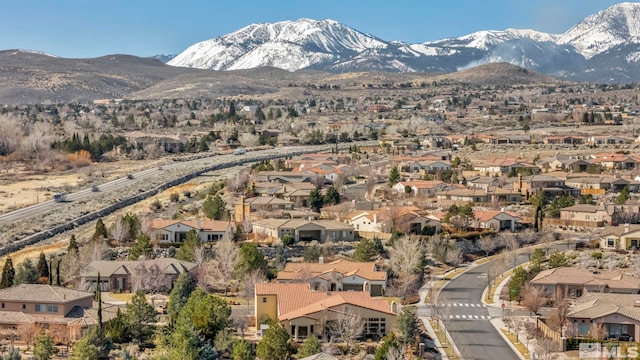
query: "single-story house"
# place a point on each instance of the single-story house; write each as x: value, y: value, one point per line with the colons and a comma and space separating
x: 304, y: 229
x: 570, y: 282
x: 496, y: 220
x: 619, y: 314
x: 176, y: 230
x: 621, y: 237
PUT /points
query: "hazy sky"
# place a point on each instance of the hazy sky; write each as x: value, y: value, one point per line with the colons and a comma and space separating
x: 89, y: 28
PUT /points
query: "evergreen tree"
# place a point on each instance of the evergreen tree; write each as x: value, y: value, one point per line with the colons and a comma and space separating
x: 310, y: 346
x: 275, y: 344
x: 242, y: 350
x: 214, y: 207
x: 315, y: 200
x: 26, y: 273
x: 208, y: 314
x: 58, y: 279
x: 259, y: 114
x: 332, y: 196
x: 140, y: 314
x: 623, y: 196
x: 43, y: 347
x: 73, y: 246
x: 43, y: 267
x: 250, y: 259
x: 388, y: 342
x: 182, y: 289
x: 8, y: 274
x: 101, y: 231
x: 407, y: 324
x: 117, y: 328
x: 141, y: 247
x: 184, y: 342
x: 99, y: 301
x: 91, y: 346
x: 12, y: 353
x: 188, y: 248
x: 394, y: 176
x: 365, y: 251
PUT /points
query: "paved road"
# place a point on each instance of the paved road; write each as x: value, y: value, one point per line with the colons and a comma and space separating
x: 468, y: 319
x: 138, y: 179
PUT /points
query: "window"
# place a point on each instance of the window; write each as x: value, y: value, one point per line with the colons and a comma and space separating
x: 3, y: 305
x: 264, y: 299
x: 611, y: 242
x: 24, y: 306
x: 163, y: 237
x: 51, y: 308
x: 212, y: 237
x: 587, y: 217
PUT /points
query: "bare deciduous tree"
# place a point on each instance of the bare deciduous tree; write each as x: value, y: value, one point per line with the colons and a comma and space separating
x: 249, y: 281
x: 118, y: 230
x: 533, y: 298
x: 407, y: 255
x: 455, y: 256
x: 598, y: 331
x: 558, y: 318
x: 545, y: 349
x: 487, y: 244
x: 241, y: 319
x: 345, y: 325
x: 219, y: 271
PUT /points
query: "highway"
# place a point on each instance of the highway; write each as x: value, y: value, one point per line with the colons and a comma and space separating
x: 139, y: 177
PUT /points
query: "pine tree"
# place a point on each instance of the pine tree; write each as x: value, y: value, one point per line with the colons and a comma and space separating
x: 315, y: 200
x: 99, y: 301
x: 182, y: 289
x: 242, y: 351
x: 407, y: 324
x: 310, y: 346
x: 26, y: 273
x: 58, y: 282
x: 43, y: 348
x: 73, y: 246
x: 101, y: 231
x: 188, y: 248
x: 43, y: 267
x: 275, y: 344
x: 394, y: 176
x: 332, y: 196
x: 8, y: 273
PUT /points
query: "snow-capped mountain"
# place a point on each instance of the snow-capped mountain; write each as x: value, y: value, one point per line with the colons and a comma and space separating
x: 582, y: 53
x: 290, y: 45
x: 604, y: 30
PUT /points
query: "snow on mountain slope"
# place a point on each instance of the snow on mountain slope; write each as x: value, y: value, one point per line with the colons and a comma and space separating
x: 600, y: 32
x: 309, y: 41
x: 486, y: 39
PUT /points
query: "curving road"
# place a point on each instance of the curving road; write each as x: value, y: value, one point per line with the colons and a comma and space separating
x: 468, y: 318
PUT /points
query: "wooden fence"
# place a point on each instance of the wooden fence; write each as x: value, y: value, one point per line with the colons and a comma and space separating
x: 548, y: 332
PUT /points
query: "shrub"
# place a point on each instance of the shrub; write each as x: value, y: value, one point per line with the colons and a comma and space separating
x: 174, y: 197
x: 155, y: 205
x: 288, y: 240
x: 597, y: 255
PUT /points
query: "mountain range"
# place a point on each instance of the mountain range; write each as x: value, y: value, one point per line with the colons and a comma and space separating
x: 603, y: 47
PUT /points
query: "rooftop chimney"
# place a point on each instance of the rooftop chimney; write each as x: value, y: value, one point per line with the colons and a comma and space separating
x: 626, y: 227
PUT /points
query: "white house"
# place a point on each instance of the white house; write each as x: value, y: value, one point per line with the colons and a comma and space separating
x: 496, y: 220
x: 176, y: 230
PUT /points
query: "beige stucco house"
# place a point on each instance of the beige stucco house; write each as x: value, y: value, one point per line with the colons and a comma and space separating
x: 303, y: 311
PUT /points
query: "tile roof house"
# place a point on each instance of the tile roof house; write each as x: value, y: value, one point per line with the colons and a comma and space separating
x: 619, y: 314
x: 427, y: 188
x: 570, y: 282
x: 585, y: 215
x: 621, y: 237
x: 491, y: 195
x: 339, y: 275
x: 304, y: 229
x: 496, y: 220
x: 303, y: 311
x: 37, y: 304
x: 176, y: 230
x: 131, y: 275
x: 385, y: 219
x: 257, y: 207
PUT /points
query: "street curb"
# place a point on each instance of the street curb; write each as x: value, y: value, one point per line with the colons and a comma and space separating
x: 432, y: 333
x: 504, y: 337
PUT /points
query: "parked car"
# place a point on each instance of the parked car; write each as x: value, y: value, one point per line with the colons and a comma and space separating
x: 95, y: 188
x: 129, y: 176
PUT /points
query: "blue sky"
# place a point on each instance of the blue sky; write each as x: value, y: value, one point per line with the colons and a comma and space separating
x: 89, y: 28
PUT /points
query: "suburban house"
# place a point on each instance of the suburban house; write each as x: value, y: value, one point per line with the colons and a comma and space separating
x: 563, y: 140
x: 496, y: 220
x: 585, y: 215
x: 619, y: 314
x: 287, y: 177
x: 598, y: 185
x: 614, y: 161
x: 504, y: 166
x: 484, y: 182
x: 169, y: 143
x: 384, y: 220
x: 570, y: 282
x: 478, y: 196
x: 551, y: 186
x: 176, y: 230
x: 621, y: 237
x: 426, y: 188
x: 304, y: 229
x: 131, y: 275
x: 339, y: 275
x: 564, y: 162
x: 309, y: 312
x: 258, y: 207
x: 46, y: 305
